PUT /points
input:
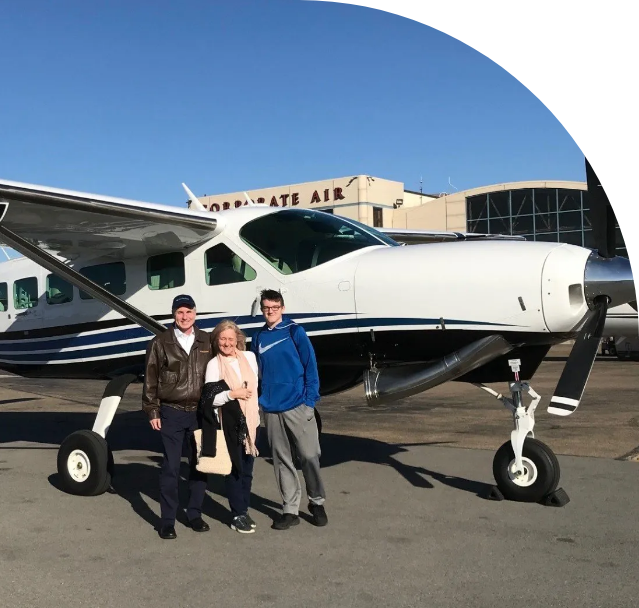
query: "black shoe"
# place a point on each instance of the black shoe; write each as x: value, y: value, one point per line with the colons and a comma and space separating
x: 286, y: 521
x: 167, y: 532
x: 199, y: 525
x: 249, y: 521
x: 319, y: 514
x: 241, y: 525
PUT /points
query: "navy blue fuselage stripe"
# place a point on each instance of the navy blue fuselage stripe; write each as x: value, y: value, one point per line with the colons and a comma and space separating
x: 129, y: 347
x: 128, y: 333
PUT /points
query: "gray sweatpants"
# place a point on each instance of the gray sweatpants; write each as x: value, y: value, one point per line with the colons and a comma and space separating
x: 296, y: 426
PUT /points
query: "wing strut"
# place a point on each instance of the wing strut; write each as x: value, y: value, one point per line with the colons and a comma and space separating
x: 58, y: 267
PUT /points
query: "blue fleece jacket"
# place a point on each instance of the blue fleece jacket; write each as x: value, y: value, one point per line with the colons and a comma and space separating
x: 287, y: 365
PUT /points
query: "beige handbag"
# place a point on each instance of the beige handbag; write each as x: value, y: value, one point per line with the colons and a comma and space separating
x: 220, y: 464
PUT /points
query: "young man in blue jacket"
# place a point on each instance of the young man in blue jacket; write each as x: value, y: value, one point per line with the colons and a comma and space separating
x: 289, y: 392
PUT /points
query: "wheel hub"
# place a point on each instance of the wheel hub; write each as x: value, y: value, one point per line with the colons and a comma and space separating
x: 79, y: 466
x: 523, y: 478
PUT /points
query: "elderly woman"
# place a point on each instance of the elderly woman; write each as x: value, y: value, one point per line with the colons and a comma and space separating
x: 234, y: 370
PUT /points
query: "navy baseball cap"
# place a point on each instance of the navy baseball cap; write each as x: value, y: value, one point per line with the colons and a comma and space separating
x: 182, y: 300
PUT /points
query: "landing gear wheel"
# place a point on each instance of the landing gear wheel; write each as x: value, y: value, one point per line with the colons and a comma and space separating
x: 83, y: 464
x: 539, y: 477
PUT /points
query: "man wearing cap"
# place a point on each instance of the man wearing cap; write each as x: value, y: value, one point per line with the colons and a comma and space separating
x: 176, y: 363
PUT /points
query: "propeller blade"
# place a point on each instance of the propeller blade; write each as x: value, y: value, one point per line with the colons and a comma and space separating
x: 572, y: 382
x: 602, y: 217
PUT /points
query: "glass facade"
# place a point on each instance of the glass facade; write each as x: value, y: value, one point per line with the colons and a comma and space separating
x: 538, y: 214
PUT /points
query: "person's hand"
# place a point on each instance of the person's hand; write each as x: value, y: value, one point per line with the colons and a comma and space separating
x: 156, y: 424
x: 240, y: 393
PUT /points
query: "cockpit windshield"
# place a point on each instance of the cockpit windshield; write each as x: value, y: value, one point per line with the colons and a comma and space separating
x: 294, y: 240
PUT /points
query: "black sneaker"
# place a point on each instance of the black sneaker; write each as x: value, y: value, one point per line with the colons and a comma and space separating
x: 249, y: 521
x: 239, y: 524
x: 286, y: 521
x: 319, y: 514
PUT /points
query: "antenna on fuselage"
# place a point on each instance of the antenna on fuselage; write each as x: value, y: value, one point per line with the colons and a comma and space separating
x: 195, y: 203
x: 250, y: 201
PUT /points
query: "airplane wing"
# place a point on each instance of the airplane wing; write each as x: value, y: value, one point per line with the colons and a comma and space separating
x: 416, y: 237
x: 53, y: 227
x: 76, y: 224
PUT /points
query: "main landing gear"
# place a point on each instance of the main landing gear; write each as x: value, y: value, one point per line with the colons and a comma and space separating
x: 85, y: 461
x: 525, y: 469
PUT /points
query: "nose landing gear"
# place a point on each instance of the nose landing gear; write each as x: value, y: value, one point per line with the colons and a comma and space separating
x: 525, y: 469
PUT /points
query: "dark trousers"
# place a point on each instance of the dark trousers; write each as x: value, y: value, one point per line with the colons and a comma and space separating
x: 238, y: 486
x: 177, y: 428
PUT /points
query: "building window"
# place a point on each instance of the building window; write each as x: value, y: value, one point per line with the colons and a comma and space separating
x: 111, y: 276
x: 25, y: 293
x: 478, y: 226
x: 4, y: 297
x: 521, y: 202
x: 378, y: 217
x: 477, y: 209
x: 58, y: 290
x: 545, y: 200
x: 569, y: 221
x: 499, y: 204
x: 569, y: 200
x: 165, y: 271
x: 222, y: 267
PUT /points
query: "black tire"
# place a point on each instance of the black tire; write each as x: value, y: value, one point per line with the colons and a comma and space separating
x: 110, y: 462
x: 545, y: 462
x: 94, y: 449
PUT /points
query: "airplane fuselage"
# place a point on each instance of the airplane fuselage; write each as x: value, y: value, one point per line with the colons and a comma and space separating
x: 381, y: 303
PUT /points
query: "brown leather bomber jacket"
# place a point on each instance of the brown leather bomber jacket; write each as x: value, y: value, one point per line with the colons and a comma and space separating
x: 172, y: 377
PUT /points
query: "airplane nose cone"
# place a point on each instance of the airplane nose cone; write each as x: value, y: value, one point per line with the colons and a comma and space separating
x: 609, y: 277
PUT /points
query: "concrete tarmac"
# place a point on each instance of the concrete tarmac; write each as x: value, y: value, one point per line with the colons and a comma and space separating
x: 408, y: 524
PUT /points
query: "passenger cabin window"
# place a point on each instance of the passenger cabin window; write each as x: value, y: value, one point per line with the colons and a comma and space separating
x: 111, y: 276
x: 25, y: 293
x: 222, y: 267
x: 295, y: 240
x: 165, y: 271
x: 4, y: 297
x: 58, y: 290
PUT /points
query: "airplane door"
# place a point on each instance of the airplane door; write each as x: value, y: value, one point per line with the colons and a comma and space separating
x: 322, y: 301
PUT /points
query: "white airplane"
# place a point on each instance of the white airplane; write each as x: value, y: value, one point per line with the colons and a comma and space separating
x: 101, y: 273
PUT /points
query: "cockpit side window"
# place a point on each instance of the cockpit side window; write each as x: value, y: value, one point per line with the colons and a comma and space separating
x: 295, y: 240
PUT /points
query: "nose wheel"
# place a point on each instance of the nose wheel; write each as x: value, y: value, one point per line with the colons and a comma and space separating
x: 535, y: 478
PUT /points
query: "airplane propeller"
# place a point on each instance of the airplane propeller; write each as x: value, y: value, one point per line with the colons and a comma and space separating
x: 607, y: 279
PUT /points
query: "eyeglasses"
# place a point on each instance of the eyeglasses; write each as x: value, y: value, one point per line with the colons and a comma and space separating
x: 273, y: 308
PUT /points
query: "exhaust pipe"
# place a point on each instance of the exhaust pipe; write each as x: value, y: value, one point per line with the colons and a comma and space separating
x: 393, y: 383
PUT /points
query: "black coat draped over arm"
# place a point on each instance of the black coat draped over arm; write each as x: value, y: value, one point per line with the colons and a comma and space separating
x: 233, y: 423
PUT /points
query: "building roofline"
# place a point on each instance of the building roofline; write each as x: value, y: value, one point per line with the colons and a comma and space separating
x: 546, y: 183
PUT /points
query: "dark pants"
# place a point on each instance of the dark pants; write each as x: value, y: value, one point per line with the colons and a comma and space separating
x: 178, y: 427
x: 238, y: 485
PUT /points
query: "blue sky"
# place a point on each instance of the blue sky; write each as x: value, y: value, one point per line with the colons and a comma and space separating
x: 132, y: 98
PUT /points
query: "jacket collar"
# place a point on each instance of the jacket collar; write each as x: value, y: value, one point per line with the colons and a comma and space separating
x: 200, y: 336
